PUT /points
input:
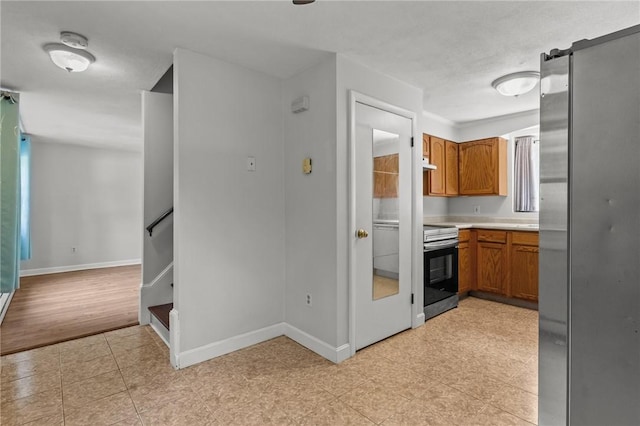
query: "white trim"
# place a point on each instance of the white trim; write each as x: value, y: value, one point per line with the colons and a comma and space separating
x: 498, y: 118
x: 70, y: 268
x: 222, y: 347
x: 5, y: 304
x: 158, y: 292
x: 439, y: 119
x: 241, y: 341
x: 174, y: 338
x: 160, y: 330
x: 419, y: 319
x: 161, y: 276
x: 323, y: 349
x: 354, y: 97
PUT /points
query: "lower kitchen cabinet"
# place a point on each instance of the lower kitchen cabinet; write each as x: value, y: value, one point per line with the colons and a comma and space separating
x: 492, y: 264
x: 506, y: 263
x: 524, y: 265
x: 465, y: 263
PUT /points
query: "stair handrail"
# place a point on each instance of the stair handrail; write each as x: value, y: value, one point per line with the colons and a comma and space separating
x: 162, y: 217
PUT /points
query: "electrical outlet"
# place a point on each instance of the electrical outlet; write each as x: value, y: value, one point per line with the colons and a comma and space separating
x: 476, y: 209
x: 309, y: 299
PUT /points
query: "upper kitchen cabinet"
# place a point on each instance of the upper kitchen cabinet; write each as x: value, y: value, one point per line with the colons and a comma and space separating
x: 451, y: 168
x: 444, y: 155
x: 483, y: 167
x: 436, y: 157
x: 425, y: 145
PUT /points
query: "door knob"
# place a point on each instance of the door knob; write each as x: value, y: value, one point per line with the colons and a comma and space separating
x: 361, y: 233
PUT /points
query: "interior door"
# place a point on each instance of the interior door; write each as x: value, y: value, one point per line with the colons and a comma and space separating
x: 383, y: 224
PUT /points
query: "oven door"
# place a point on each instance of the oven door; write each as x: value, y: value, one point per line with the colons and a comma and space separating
x: 440, y: 273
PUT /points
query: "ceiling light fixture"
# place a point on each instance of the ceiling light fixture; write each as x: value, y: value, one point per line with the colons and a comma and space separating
x: 70, y: 54
x: 516, y: 84
x: 299, y: 2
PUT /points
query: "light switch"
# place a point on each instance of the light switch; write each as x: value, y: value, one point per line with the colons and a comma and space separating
x: 306, y: 166
x: 251, y: 164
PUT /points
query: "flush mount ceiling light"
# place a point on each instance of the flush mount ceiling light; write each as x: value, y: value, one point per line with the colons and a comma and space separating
x: 70, y: 54
x: 299, y: 2
x: 517, y: 83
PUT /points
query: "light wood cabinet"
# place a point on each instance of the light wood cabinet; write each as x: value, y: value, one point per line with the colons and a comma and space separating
x: 451, y: 168
x: 524, y: 265
x: 492, y: 255
x: 482, y: 167
x: 436, y: 157
x: 506, y: 263
x: 385, y: 176
x: 444, y: 180
x: 465, y: 262
x: 425, y: 145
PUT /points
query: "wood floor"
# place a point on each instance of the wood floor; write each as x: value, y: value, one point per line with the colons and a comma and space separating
x: 58, y: 307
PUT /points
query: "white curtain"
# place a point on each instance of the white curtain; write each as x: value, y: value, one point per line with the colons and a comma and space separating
x: 526, y: 175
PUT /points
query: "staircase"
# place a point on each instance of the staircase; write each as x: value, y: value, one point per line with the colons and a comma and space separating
x: 160, y: 320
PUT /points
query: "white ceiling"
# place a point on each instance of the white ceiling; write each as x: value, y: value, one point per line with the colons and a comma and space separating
x: 452, y: 50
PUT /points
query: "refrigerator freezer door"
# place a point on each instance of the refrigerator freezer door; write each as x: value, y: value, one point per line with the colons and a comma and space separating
x: 554, y: 269
x: 604, y: 188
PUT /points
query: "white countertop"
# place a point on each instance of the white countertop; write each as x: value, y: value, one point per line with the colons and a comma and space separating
x: 507, y: 226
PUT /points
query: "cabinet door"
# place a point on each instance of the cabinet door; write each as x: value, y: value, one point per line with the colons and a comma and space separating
x: 464, y: 268
x: 436, y: 177
x: 483, y: 167
x: 524, y: 272
x: 491, y: 266
x: 451, y: 168
x: 425, y: 145
x: 465, y: 261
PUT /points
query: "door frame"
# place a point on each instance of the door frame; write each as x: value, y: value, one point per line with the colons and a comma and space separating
x: 417, y: 314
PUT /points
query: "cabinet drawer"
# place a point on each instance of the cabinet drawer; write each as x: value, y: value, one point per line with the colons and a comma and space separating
x: 464, y: 235
x: 492, y: 236
x: 525, y: 238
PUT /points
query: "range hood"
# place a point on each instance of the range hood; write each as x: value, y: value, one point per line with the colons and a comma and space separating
x: 428, y: 166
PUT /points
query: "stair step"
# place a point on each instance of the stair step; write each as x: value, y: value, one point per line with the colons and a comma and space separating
x: 161, y: 312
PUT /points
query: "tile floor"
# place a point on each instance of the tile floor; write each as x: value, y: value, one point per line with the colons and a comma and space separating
x: 475, y: 365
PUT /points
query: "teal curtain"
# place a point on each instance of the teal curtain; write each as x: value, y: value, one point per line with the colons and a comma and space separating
x: 25, y: 197
x: 9, y: 194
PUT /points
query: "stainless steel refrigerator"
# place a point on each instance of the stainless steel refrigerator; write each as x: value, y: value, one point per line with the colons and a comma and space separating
x: 589, y: 363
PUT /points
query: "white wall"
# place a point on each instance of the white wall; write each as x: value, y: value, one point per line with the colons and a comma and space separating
x: 157, y: 123
x: 228, y: 222
x: 354, y: 76
x: 435, y: 125
x: 310, y: 202
x: 496, y: 126
x: 435, y: 206
x: 87, y: 198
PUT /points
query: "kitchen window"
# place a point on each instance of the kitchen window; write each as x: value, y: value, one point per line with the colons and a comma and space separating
x: 526, y: 174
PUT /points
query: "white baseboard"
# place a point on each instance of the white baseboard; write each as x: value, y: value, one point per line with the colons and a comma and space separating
x: 160, y: 330
x: 323, y: 349
x: 222, y: 347
x: 174, y: 338
x: 419, y: 320
x: 71, y: 268
x: 4, y: 305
